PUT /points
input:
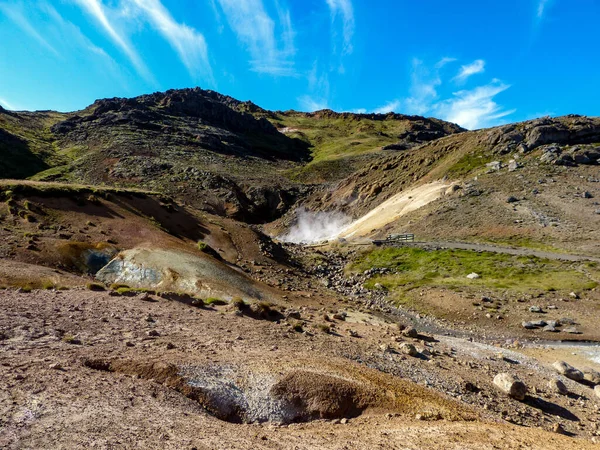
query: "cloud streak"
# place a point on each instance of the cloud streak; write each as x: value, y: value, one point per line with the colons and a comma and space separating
x: 188, y: 43
x: 97, y: 10
x: 256, y: 30
x: 344, y: 10
x: 541, y: 8
x: 16, y: 14
x: 6, y: 105
x: 470, y: 108
x: 474, y: 108
x: 468, y: 70
x: 392, y: 106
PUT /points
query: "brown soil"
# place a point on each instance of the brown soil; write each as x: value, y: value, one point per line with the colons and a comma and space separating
x: 84, y: 368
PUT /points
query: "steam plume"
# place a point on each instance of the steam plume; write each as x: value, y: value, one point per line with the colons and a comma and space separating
x: 313, y: 227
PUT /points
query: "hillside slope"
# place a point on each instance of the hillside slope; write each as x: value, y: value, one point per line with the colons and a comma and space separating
x: 219, y: 154
x: 529, y: 183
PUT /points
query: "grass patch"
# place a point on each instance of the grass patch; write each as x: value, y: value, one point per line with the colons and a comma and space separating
x: 95, y: 287
x: 214, y: 301
x: 417, y: 267
x: 468, y: 163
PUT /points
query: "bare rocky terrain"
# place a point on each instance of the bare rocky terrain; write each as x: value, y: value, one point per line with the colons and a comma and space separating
x: 149, y: 300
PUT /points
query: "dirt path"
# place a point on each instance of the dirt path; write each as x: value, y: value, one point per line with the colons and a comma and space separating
x: 395, y: 207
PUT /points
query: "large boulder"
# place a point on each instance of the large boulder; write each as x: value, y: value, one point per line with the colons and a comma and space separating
x: 568, y: 370
x: 511, y: 386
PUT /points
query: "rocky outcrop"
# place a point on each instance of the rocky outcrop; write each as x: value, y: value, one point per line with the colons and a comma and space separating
x: 527, y: 136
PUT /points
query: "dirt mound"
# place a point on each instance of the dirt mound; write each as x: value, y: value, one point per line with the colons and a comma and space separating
x: 248, y: 394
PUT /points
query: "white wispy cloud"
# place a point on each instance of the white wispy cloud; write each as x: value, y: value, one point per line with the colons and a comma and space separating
x: 187, y: 42
x: 318, y: 90
x: 15, y: 12
x: 392, y: 106
x: 6, y: 104
x: 256, y: 30
x: 444, y: 61
x: 345, y: 10
x: 100, y: 13
x: 423, y: 89
x: 477, y: 66
x: 310, y: 104
x: 474, y: 108
x: 541, y: 7
x: 470, y: 108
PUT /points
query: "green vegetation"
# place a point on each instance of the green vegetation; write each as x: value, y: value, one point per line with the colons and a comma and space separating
x: 214, y: 301
x: 339, y: 141
x: 96, y: 287
x: 468, y: 163
x: 416, y: 268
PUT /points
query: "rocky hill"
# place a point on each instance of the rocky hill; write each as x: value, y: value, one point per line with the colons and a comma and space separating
x: 207, y: 149
x: 534, y: 181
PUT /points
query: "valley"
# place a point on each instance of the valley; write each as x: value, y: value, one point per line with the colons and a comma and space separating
x: 186, y: 270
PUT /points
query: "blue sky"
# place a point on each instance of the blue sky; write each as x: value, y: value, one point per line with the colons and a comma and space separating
x: 477, y: 63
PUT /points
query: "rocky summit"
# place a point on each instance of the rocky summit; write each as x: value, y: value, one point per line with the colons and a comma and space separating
x: 186, y: 270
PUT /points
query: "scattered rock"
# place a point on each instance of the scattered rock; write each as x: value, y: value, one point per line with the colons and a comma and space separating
x: 574, y: 295
x: 511, y: 386
x: 568, y: 370
x: 558, y: 386
x: 558, y: 428
x: 528, y: 325
x: 571, y: 330
x: 535, y: 309
x: 591, y: 376
x: 550, y: 329
x: 55, y: 366
x: 473, y: 276
x: 512, y: 199
x: 410, y: 332
x: 153, y: 333
x: 409, y: 349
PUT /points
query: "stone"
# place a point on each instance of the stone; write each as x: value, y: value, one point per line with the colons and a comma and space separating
x: 535, y: 309
x: 473, y: 276
x: 539, y: 323
x: 597, y: 391
x: 588, y: 194
x: 512, y: 199
x: 528, y: 325
x: 571, y: 330
x: 410, y: 332
x: 153, y: 333
x: 568, y: 370
x: 574, y: 295
x: 558, y: 428
x: 494, y: 166
x: 513, y: 165
x: 550, y: 329
x: 409, y: 349
x: 591, y: 376
x: 558, y: 386
x: 55, y: 366
x: 511, y: 386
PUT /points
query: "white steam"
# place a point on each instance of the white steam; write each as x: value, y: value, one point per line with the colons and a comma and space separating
x: 313, y: 227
